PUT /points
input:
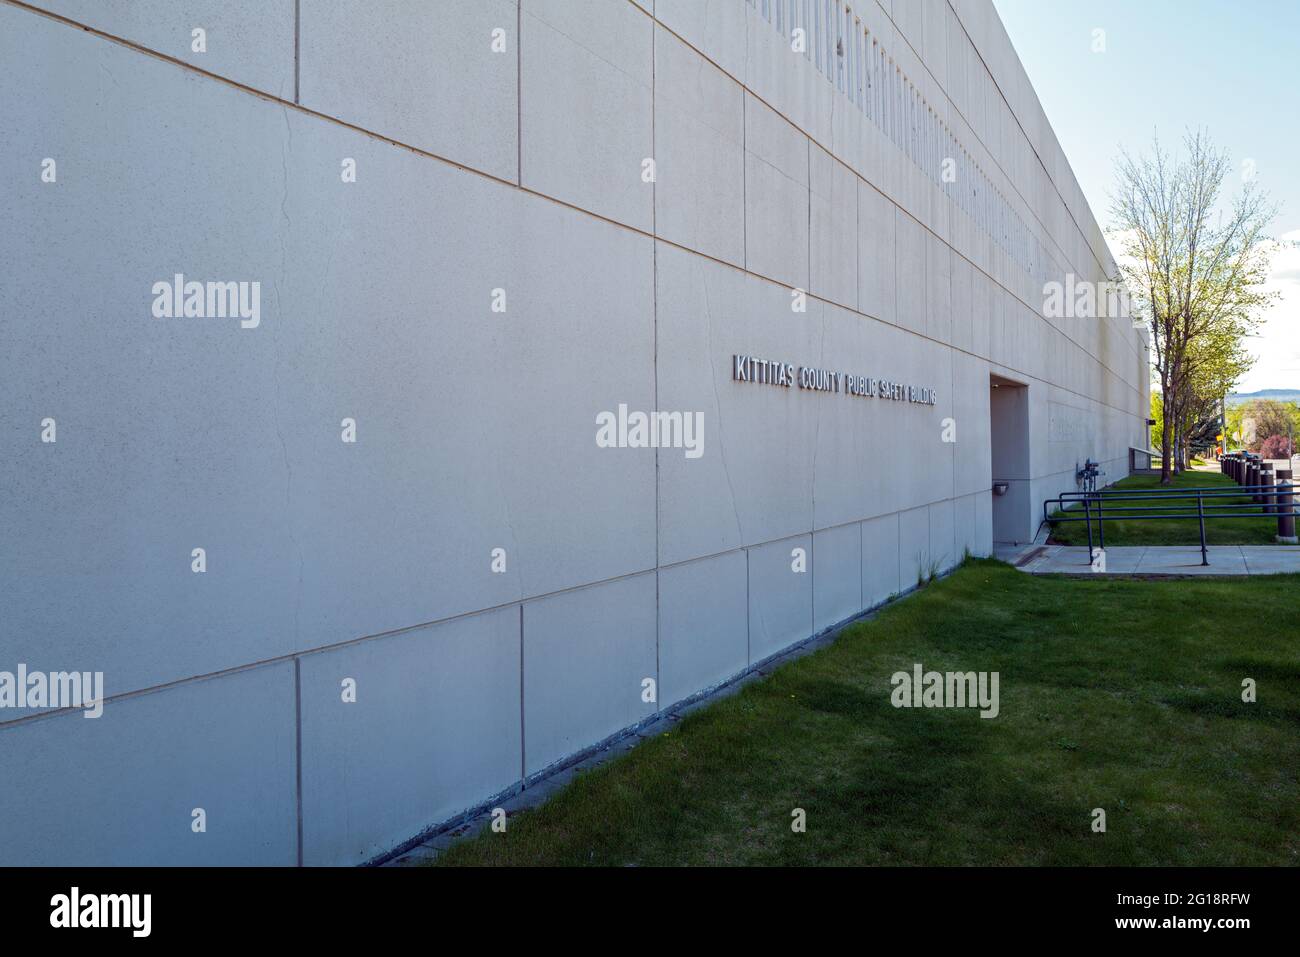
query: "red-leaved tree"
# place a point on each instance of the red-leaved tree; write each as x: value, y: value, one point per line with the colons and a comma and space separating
x: 1276, y: 447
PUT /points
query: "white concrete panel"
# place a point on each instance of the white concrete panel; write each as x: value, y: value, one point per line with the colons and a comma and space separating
x: 880, y: 561
x: 425, y: 74
x: 434, y: 729
x: 938, y: 301
x: 984, y: 524
x: 962, y: 304
x: 780, y: 598
x: 717, y: 30
x: 586, y: 653
x: 910, y: 273
x: 852, y: 433
x: 703, y: 624
x: 200, y: 433
x: 699, y: 149
x: 972, y: 457
x: 943, y: 553
x: 834, y: 229
x: 121, y: 789
x: 914, y: 553
x: 776, y: 196
x: 984, y: 303
x: 966, y: 528
x: 837, y: 575
x: 877, y: 255
x: 740, y: 490
x: 586, y: 117
x: 248, y: 41
x: 787, y: 80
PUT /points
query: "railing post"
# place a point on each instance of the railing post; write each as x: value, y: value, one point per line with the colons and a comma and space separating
x: 1286, y: 514
x: 1087, y: 517
x: 1280, y: 475
x: 1101, y: 526
x: 1200, y: 517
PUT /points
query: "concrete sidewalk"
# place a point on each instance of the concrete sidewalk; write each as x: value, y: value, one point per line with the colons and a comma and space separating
x: 1171, y: 560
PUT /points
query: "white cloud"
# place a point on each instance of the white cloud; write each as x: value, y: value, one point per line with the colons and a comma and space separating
x: 1276, y: 346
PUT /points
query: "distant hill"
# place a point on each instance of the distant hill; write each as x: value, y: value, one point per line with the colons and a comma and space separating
x: 1278, y: 395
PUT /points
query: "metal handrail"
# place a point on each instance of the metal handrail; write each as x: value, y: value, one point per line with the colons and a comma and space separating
x: 1103, y: 501
x: 1067, y: 499
x: 1225, y: 490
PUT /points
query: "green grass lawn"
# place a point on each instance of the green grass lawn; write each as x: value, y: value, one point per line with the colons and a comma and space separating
x: 1175, y: 531
x: 1111, y: 696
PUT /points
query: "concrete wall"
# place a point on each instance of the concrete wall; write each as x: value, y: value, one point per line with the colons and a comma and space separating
x: 517, y: 168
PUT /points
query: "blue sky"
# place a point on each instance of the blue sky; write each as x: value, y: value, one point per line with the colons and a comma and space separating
x: 1230, y: 68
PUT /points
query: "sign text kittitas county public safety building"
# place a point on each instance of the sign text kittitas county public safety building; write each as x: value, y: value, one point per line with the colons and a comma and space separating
x: 785, y: 375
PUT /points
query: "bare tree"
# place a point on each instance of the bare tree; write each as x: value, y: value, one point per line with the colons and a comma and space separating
x: 1194, y: 266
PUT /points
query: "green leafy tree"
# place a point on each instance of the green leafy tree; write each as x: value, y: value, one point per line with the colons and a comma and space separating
x: 1194, y: 269
x: 1215, y: 363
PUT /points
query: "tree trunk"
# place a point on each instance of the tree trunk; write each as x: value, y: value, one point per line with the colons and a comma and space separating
x: 1166, y: 433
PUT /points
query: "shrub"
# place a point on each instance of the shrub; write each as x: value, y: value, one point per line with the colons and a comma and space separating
x: 1276, y: 447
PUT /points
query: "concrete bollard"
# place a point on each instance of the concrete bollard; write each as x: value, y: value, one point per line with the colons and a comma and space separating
x: 1281, y: 476
x: 1265, y: 498
x: 1286, y: 514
